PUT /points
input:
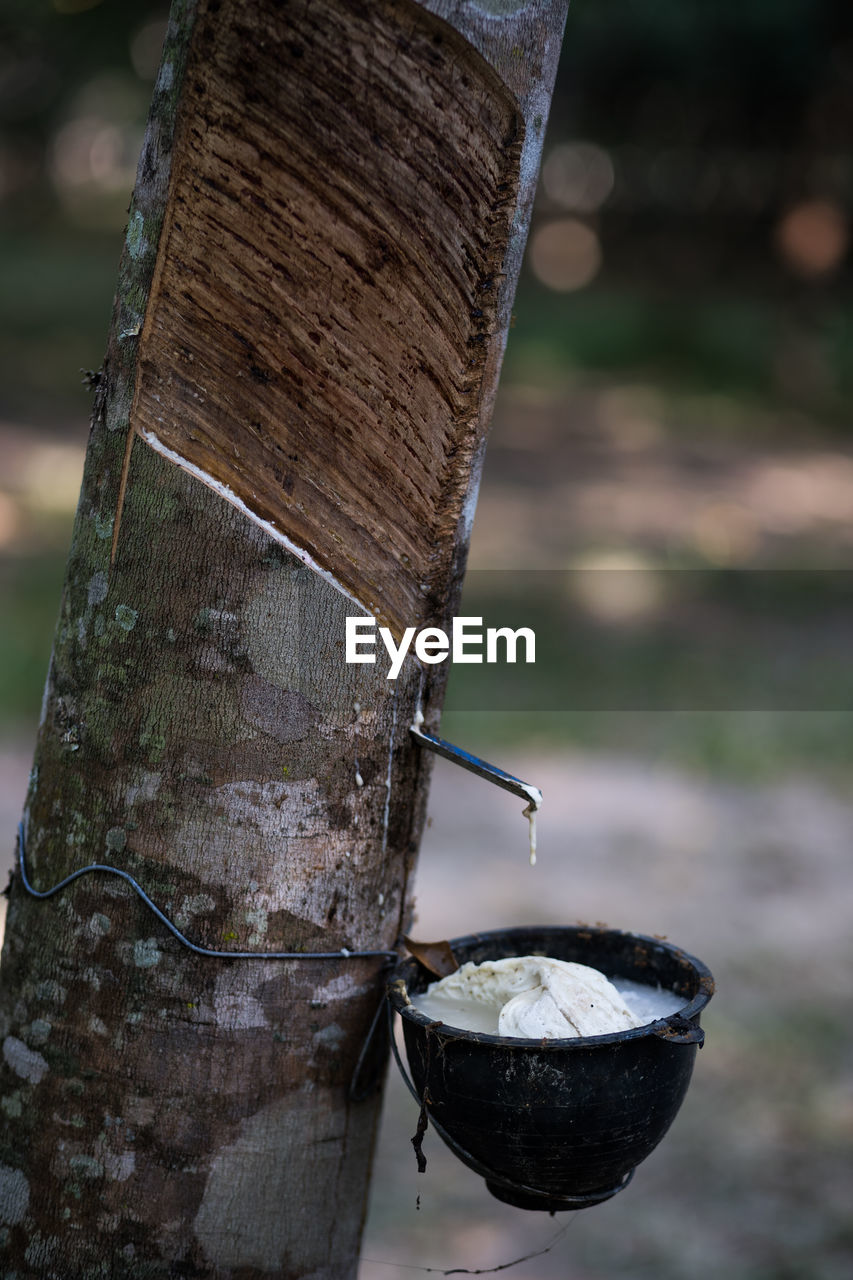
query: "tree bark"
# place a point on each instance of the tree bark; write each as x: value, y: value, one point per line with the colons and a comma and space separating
x: 313, y: 300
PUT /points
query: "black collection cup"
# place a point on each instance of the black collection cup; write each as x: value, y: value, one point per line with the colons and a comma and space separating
x: 557, y: 1124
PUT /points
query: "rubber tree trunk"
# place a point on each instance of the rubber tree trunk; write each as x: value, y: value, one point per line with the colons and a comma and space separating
x: 321, y: 252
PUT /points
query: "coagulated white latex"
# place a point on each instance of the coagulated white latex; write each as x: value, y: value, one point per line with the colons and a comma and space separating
x: 534, y: 997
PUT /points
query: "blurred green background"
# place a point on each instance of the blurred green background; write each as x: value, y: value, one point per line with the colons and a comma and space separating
x: 674, y: 401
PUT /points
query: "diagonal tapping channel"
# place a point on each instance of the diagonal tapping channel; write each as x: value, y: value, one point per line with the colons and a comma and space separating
x: 323, y: 338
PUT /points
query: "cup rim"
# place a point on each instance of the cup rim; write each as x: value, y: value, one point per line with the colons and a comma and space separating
x: 397, y: 992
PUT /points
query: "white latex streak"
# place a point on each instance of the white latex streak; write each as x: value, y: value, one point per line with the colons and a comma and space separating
x: 230, y: 496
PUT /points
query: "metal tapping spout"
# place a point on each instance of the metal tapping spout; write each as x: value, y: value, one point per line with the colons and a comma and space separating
x: 491, y: 773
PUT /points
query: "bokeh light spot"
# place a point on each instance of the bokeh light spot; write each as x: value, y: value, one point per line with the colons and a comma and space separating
x: 565, y: 254
x: 146, y: 46
x: 9, y: 520
x: 724, y: 532
x: 813, y: 238
x: 578, y: 175
x: 616, y: 586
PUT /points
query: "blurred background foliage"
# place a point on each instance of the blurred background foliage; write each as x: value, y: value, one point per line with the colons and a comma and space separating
x: 692, y: 225
x: 676, y: 384
x: 673, y: 410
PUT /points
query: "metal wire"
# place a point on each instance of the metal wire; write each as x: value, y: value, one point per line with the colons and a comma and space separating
x: 343, y: 954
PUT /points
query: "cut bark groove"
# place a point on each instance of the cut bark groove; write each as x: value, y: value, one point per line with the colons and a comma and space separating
x: 327, y: 370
